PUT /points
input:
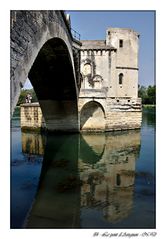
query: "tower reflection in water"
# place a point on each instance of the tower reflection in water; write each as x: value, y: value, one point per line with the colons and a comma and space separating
x: 108, y: 183
x: 84, y: 172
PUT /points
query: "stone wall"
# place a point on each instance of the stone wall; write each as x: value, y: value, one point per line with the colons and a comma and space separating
x: 108, y: 60
x: 64, y: 119
x: 123, y: 120
x: 98, y: 59
x: 124, y: 61
x: 31, y: 117
x: 118, y: 113
x: 94, y: 115
x: 127, y: 54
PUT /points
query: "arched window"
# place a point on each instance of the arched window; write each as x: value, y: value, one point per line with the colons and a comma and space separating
x: 97, y: 80
x: 120, y: 78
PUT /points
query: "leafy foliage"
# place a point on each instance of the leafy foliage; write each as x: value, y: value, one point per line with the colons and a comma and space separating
x: 23, y: 94
x: 148, y: 94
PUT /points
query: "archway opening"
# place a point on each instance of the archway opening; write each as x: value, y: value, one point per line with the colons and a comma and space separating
x: 53, y: 80
x: 92, y: 117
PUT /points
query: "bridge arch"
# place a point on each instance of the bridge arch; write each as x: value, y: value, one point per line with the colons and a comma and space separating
x: 92, y: 117
x: 41, y: 50
x: 52, y: 78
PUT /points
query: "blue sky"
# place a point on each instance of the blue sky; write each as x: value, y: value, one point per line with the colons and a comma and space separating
x: 93, y: 24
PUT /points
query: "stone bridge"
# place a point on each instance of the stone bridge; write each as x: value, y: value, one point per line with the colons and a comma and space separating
x: 43, y: 50
x: 87, y: 85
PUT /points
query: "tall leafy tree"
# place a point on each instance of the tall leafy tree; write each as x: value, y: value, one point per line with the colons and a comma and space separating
x: 151, y: 92
x: 148, y: 94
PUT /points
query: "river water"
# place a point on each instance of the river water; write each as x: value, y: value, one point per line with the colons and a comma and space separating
x: 83, y: 181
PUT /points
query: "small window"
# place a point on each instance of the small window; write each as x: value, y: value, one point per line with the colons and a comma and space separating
x: 108, y: 32
x: 128, y: 100
x: 120, y: 78
x: 118, y: 180
x: 120, y: 43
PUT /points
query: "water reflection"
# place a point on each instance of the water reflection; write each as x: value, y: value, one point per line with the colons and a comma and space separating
x: 57, y: 203
x: 33, y: 143
x: 26, y: 163
x: 108, y: 183
x: 149, y: 117
x: 83, y: 173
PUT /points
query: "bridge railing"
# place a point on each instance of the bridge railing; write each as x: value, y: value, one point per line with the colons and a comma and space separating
x: 75, y: 35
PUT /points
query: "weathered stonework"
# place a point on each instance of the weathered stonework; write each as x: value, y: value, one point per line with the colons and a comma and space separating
x: 108, y: 90
x: 44, y: 51
x: 31, y: 117
x: 30, y: 30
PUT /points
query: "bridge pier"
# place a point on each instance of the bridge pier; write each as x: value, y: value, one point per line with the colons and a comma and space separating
x: 59, y: 116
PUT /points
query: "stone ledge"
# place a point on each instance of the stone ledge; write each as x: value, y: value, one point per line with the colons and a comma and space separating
x: 30, y: 104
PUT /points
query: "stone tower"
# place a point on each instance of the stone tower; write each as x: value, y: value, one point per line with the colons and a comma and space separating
x: 124, y: 78
x: 108, y: 97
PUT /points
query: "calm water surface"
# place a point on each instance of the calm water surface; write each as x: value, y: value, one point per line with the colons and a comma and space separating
x: 83, y: 181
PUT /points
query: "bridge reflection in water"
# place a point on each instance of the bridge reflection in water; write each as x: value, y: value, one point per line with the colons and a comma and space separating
x: 83, y: 173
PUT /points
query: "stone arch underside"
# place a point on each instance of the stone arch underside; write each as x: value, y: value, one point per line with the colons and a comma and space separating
x: 92, y: 117
x: 53, y: 80
x: 41, y: 50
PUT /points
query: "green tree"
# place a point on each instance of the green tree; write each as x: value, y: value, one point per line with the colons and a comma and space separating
x: 151, y: 92
x: 142, y: 93
x: 23, y: 94
x: 148, y: 94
